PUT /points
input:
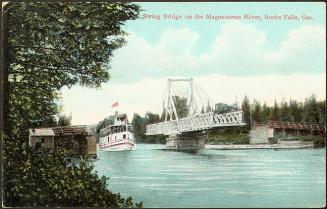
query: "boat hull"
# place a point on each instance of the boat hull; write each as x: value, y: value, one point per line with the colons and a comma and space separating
x: 118, y: 146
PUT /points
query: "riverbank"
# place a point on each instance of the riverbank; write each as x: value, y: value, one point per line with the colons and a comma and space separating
x: 280, y: 145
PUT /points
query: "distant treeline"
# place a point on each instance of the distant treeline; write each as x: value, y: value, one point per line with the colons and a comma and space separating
x: 309, y: 111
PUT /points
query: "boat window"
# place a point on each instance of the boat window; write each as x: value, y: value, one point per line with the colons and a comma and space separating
x: 124, y: 136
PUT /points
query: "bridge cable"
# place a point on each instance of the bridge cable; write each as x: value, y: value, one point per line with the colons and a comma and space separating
x: 209, y: 98
x: 200, y: 97
x: 163, y: 99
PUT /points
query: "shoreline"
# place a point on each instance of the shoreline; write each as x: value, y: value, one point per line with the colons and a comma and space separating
x: 284, y: 145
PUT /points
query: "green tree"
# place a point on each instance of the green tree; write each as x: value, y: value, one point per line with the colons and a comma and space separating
x: 63, y: 44
x: 48, y: 122
x: 275, y: 112
x: 151, y: 118
x: 50, y: 45
x: 138, y: 124
x: 285, y: 114
x: 295, y: 110
x: 322, y: 112
x: 105, y: 122
x: 221, y: 108
x: 181, y: 106
x: 311, y: 110
x: 246, y: 112
x: 64, y: 120
x: 139, y: 127
x: 265, y: 112
x: 256, y: 115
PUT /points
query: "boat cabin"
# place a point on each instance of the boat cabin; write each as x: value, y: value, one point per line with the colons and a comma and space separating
x: 121, y: 120
x: 120, y: 125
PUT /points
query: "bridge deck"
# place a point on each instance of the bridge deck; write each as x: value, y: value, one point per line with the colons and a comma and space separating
x: 196, y: 123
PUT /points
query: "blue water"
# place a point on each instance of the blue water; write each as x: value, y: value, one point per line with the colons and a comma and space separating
x: 217, y: 178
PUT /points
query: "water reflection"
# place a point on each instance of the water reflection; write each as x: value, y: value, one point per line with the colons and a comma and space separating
x: 188, y: 151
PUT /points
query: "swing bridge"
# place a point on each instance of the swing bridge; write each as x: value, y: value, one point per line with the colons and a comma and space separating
x: 196, y: 120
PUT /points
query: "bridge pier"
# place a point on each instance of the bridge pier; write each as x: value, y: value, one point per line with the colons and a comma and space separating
x: 187, y: 141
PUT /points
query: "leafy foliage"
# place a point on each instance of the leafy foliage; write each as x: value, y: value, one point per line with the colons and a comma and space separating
x: 64, y: 120
x: 181, y: 106
x: 139, y: 127
x: 50, y: 45
x: 46, y: 178
x: 229, y: 135
x: 104, y: 123
x: 221, y: 108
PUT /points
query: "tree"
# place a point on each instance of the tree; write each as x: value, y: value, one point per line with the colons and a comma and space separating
x: 49, y: 46
x: 52, y: 45
x: 138, y: 124
x: 295, y: 110
x: 105, y: 122
x: 275, y: 112
x: 285, y: 114
x: 221, y: 108
x: 265, y: 112
x: 139, y: 127
x: 246, y: 112
x: 256, y: 116
x: 181, y: 106
x: 49, y: 122
x: 64, y: 120
x: 310, y: 110
x: 322, y: 112
x: 151, y: 118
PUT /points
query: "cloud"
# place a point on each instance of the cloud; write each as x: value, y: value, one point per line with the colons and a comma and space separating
x: 238, y: 62
x: 239, y: 49
x: 177, y: 41
x: 89, y: 106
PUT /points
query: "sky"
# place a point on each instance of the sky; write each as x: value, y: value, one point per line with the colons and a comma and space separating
x: 265, y: 59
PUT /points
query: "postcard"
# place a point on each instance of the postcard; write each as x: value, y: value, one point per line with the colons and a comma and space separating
x: 163, y: 104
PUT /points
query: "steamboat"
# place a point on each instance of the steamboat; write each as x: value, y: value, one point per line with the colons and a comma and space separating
x: 117, y: 137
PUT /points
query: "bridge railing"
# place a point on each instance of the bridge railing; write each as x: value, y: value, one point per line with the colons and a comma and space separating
x: 196, y: 123
x: 291, y: 125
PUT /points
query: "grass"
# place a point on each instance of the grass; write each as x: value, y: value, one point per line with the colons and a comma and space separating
x: 230, y: 135
x: 228, y: 139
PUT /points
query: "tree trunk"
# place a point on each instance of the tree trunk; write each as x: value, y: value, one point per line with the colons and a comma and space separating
x: 4, y: 90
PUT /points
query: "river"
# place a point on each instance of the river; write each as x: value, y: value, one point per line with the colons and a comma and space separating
x: 217, y: 178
